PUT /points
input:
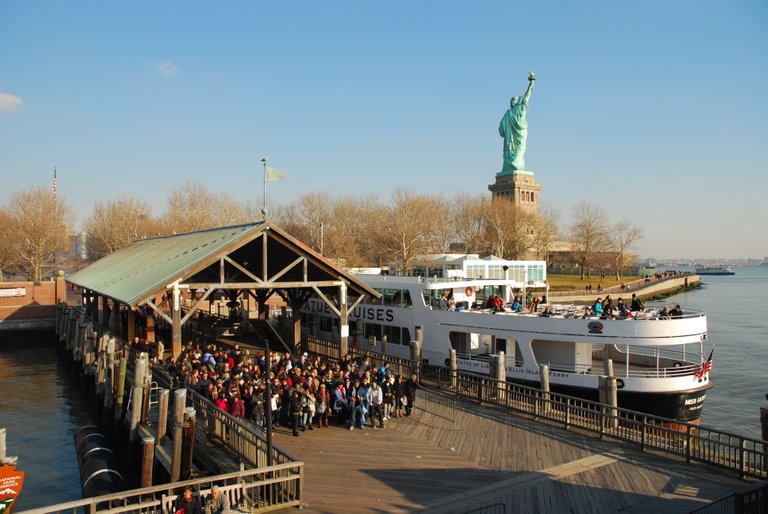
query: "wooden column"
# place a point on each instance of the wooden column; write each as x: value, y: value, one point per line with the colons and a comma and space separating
x: 150, y: 327
x: 104, y: 316
x: 343, y: 321
x: 176, y: 328
x: 131, y: 328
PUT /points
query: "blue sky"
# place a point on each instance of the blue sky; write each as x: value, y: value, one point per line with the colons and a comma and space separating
x: 653, y: 110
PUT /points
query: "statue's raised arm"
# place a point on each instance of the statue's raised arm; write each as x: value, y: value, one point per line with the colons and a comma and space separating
x: 531, y: 80
x: 514, y: 129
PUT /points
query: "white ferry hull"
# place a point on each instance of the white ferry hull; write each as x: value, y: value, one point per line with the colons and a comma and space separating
x: 656, y: 361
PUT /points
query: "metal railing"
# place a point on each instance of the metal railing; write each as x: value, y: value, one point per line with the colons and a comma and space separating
x: 753, y: 500
x: 215, y: 426
x: 264, y: 489
x: 748, y: 457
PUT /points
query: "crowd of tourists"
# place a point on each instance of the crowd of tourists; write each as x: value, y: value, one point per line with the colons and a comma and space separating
x: 307, y: 392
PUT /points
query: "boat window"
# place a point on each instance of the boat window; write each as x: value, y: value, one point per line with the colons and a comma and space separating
x: 431, y: 298
x: 407, y: 303
x: 375, y: 301
x: 373, y: 329
x: 390, y: 297
x: 393, y: 334
x: 328, y: 324
x: 567, y: 356
x: 406, y: 336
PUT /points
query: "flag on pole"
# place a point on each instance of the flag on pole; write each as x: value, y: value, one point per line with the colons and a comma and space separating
x: 706, y: 367
x: 54, y: 181
x: 272, y: 174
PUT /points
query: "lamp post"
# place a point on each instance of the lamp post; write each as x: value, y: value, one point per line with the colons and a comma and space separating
x: 268, y: 392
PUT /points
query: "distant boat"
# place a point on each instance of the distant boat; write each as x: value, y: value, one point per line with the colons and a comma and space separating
x: 714, y: 270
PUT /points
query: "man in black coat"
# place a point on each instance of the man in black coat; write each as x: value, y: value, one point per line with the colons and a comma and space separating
x: 410, y: 392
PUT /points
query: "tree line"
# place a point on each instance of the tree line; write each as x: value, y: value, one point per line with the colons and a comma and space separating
x: 356, y: 231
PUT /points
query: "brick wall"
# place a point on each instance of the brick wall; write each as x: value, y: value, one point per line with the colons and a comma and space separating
x: 38, y: 301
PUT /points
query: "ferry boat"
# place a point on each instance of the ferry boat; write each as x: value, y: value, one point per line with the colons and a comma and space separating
x: 659, y: 361
x: 714, y: 270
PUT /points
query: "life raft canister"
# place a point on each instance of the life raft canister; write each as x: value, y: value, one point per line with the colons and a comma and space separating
x: 469, y: 291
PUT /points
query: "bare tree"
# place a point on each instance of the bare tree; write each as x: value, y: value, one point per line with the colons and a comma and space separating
x: 406, y: 226
x: 304, y: 217
x: 623, y: 237
x: 467, y: 221
x: 194, y: 207
x: 544, y: 232
x: 115, y: 223
x: 589, y: 234
x: 8, y: 254
x: 41, y: 224
x: 506, y: 229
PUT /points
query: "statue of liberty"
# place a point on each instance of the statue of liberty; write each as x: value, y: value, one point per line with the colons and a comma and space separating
x: 514, y: 129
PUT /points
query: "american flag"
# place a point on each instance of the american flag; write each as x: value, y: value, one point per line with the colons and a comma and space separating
x: 54, y: 181
x: 706, y: 367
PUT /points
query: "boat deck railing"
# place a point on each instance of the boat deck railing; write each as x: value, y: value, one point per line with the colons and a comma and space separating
x: 573, y: 311
x: 679, y: 368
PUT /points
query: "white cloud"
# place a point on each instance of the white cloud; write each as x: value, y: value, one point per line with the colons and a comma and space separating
x: 167, y: 68
x: 10, y: 103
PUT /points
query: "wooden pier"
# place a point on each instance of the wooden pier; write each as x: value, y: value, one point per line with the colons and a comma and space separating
x: 456, y: 456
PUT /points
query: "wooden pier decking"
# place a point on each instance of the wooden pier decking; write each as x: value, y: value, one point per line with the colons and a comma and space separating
x: 446, y: 459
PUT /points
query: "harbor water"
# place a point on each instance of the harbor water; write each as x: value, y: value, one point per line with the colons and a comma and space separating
x: 42, y: 408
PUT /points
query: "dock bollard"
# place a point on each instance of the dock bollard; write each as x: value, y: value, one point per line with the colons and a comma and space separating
x: 454, y: 370
x: 544, y: 379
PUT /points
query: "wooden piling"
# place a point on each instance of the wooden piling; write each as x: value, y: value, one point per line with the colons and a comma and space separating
x: 179, y: 404
x: 416, y: 354
x: 4, y: 459
x: 188, y: 436
x: 545, y: 389
x: 454, y: 363
x: 162, y: 415
x: 138, y: 394
x: 608, y: 367
x: 612, y: 397
x: 147, y: 460
x: 120, y: 389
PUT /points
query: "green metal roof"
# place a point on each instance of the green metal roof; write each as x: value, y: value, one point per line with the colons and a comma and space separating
x: 133, y: 274
x: 146, y: 268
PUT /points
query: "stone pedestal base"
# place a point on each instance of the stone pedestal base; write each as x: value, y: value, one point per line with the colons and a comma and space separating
x: 519, y: 187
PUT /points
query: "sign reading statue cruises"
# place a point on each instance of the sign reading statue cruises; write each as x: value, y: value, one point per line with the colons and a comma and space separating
x: 10, y: 487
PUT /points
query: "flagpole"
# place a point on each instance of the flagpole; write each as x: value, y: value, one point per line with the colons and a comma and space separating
x: 264, y: 161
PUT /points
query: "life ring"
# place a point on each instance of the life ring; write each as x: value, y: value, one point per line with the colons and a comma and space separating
x: 469, y: 291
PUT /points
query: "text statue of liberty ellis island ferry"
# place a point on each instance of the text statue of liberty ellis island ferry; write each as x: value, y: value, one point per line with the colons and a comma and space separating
x: 659, y: 360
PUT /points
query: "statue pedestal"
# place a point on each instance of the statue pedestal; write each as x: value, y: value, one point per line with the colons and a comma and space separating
x: 519, y: 187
